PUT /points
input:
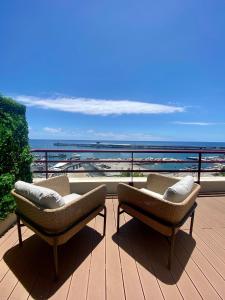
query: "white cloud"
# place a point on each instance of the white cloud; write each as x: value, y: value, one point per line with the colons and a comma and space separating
x: 102, y: 107
x: 52, y: 130
x: 196, y: 123
x: 92, y: 134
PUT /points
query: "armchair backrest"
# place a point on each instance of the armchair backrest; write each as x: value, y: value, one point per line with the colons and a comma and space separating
x: 159, y: 183
x: 60, y: 184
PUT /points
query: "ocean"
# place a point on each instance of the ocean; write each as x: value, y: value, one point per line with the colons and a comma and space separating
x: 49, y: 144
x: 85, y: 144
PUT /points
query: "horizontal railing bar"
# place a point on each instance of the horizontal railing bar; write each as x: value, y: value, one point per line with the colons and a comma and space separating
x: 160, y: 150
x: 129, y: 161
x: 115, y: 171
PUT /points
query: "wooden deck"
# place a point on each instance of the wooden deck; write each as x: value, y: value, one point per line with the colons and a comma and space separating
x: 131, y: 265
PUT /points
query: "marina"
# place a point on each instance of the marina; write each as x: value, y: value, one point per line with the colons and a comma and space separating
x: 114, y: 167
x: 110, y: 159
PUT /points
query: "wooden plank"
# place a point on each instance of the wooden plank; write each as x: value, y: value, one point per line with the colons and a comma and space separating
x: 80, y: 277
x: 9, y: 243
x: 158, y: 255
x: 204, y: 235
x: 218, y: 264
x: 156, y: 251
x: 207, y: 269
x: 10, y: 280
x: 74, y: 271
x: 218, y: 238
x: 7, y: 234
x: 96, y: 286
x: 184, y: 283
x: 114, y: 278
x: 140, y: 248
x: 199, y: 280
x: 220, y: 231
x: 43, y: 268
x: 212, y: 212
x: 7, y: 285
x: 132, y: 284
x: 221, y: 199
x: 21, y: 291
x: 178, y: 273
x: 216, y: 205
x: 141, y: 240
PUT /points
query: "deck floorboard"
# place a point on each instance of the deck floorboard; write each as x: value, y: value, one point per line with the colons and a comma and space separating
x: 129, y: 265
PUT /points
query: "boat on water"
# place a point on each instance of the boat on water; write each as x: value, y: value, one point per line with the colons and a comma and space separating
x: 75, y: 156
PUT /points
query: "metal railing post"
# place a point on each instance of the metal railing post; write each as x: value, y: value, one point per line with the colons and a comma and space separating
x: 46, y: 164
x: 199, y: 166
x: 132, y: 169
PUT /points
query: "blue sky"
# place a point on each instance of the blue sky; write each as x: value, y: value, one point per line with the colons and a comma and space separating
x: 116, y: 70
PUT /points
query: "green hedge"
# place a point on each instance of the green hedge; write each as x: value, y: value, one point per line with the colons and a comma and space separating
x: 15, y: 157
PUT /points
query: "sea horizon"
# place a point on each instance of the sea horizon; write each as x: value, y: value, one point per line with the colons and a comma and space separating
x: 50, y: 143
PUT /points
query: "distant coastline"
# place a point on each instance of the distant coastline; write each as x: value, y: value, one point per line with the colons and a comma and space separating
x: 95, y: 144
x: 102, y: 145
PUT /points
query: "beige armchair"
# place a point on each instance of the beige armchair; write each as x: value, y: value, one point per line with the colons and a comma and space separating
x: 56, y: 226
x: 149, y: 206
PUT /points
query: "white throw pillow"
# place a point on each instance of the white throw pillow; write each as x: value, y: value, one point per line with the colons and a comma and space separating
x: 69, y: 198
x: 42, y: 196
x: 180, y: 190
x: 151, y: 193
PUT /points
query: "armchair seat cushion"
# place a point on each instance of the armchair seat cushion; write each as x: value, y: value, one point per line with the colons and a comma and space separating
x: 41, y: 196
x: 71, y: 197
x: 151, y: 193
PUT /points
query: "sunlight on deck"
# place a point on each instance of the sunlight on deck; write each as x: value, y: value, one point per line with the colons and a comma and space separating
x: 128, y: 265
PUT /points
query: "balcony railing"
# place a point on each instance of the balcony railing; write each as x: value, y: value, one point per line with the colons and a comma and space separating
x: 198, y: 159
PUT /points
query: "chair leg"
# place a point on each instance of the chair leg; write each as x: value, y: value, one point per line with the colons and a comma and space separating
x: 19, y: 230
x: 104, y: 226
x: 55, y: 255
x: 172, y: 241
x: 118, y: 219
x: 192, y: 223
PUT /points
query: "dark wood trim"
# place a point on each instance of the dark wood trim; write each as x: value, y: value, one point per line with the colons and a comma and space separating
x: 19, y: 230
x: 104, y: 214
x: 192, y: 222
x: 53, y: 234
x: 160, y: 220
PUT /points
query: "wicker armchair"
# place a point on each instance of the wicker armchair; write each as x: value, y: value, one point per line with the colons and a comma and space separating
x: 56, y: 226
x: 148, y: 206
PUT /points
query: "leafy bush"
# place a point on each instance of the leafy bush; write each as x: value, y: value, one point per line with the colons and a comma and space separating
x: 15, y: 155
